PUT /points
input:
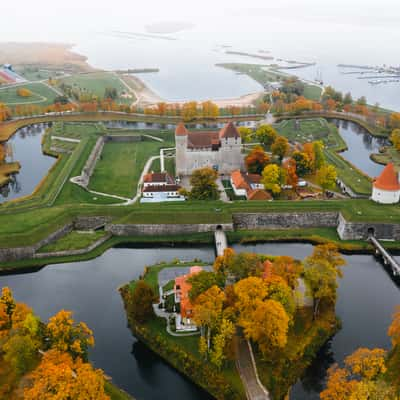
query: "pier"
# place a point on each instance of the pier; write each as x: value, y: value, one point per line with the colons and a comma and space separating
x: 387, y: 258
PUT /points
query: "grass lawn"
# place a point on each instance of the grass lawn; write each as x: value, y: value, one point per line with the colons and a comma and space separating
x: 120, y: 166
x: 96, y: 84
x: 74, y: 240
x: 42, y: 95
x: 264, y: 74
x: 169, y: 165
x: 390, y: 154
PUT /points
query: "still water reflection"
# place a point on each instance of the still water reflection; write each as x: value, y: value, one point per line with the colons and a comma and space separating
x: 367, y: 297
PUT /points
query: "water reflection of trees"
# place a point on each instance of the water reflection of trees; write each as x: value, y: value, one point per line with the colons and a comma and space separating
x: 315, y: 375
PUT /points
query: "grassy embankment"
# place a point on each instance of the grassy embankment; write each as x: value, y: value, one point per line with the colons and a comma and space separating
x: 264, y: 75
x: 182, y: 352
x: 312, y: 129
x: 389, y: 155
x: 96, y: 83
x: 42, y: 95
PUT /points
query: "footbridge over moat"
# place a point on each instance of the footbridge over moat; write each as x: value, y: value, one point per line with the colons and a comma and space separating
x: 387, y: 258
x: 221, y: 241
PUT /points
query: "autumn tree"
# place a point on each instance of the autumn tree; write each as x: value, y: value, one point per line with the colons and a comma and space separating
x: 20, y: 351
x: 203, y: 183
x: 288, y: 269
x: 321, y: 270
x: 243, y: 265
x: 203, y: 281
x: 279, y: 290
x: 140, y: 305
x: 267, y: 326
x: 338, y: 386
x: 249, y: 293
x: 207, y: 311
x: 319, y: 157
x: 189, y: 111
x: 272, y: 178
x: 65, y: 335
x: 245, y: 133
x: 221, y: 343
x: 290, y: 171
x: 280, y: 147
x: 8, y: 303
x: 266, y: 135
x: 59, y: 376
x: 326, y: 177
x: 222, y: 263
x: 395, y: 138
x: 367, y: 363
x: 24, y: 92
x: 394, y: 328
x: 256, y: 160
x: 209, y: 110
x: 303, y: 163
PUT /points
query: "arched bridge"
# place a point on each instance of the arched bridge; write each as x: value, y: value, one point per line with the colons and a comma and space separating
x: 221, y: 242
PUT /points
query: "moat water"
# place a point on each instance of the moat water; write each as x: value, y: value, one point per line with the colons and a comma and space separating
x: 26, y: 148
x: 366, y: 299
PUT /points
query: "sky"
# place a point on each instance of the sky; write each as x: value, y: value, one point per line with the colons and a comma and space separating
x: 35, y: 19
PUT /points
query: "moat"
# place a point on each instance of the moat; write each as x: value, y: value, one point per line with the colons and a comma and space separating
x: 89, y: 289
x: 27, y: 141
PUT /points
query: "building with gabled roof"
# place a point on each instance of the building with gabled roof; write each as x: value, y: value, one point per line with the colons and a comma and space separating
x: 249, y: 186
x: 386, y: 188
x: 219, y: 150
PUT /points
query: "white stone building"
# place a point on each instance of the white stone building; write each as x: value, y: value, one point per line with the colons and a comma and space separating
x: 386, y: 188
x: 219, y: 150
x: 160, y: 187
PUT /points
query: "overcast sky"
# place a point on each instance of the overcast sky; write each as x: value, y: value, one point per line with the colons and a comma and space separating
x: 26, y: 17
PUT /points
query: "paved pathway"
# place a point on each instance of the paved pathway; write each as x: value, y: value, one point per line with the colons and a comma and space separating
x: 248, y: 372
x: 222, y: 194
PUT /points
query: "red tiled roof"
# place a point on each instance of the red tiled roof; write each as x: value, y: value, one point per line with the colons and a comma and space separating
x: 258, y: 194
x: 161, y: 188
x: 181, y: 130
x: 184, y: 289
x: 388, y: 179
x: 229, y: 131
x: 159, y: 177
x: 239, y: 181
x: 253, y: 178
x: 198, y: 140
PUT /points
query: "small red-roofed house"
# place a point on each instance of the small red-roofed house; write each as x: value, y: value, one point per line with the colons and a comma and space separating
x: 386, y: 188
x: 181, y: 291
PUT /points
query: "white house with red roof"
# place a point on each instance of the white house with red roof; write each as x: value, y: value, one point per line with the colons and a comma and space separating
x: 219, y: 150
x: 249, y: 186
x: 386, y: 188
x: 160, y: 187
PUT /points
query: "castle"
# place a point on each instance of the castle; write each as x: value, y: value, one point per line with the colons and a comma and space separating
x: 219, y: 150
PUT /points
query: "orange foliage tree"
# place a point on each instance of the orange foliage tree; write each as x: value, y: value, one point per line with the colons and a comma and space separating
x: 256, y: 160
x: 59, y: 376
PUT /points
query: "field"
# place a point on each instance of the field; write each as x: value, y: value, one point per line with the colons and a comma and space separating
x: 96, y: 83
x: 42, y: 95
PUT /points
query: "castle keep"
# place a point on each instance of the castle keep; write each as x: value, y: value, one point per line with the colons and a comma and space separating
x: 219, y: 150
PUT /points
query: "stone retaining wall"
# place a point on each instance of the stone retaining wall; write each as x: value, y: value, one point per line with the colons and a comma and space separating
x: 348, y: 230
x: 65, y: 253
x: 90, y: 223
x: 292, y: 220
x: 163, y: 229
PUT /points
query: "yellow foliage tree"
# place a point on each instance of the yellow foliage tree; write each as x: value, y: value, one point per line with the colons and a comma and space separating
x: 271, y: 178
x: 394, y: 328
x: 267, y: 326
x: 24, y: 92
x: 367, y: 363
x: 68, y: 336
x: 60, y: 377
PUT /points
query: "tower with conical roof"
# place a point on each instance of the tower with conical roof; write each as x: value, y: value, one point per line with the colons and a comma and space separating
x: 181, y: 142
x: 386, y: 188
